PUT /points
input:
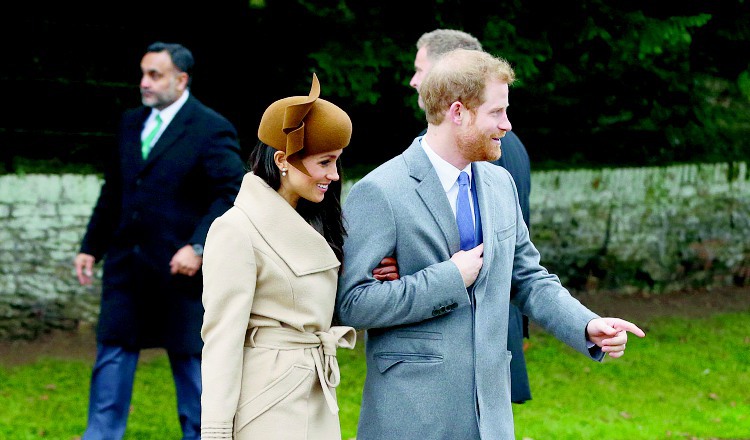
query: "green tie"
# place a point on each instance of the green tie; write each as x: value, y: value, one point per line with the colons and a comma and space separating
x: 146, y: 143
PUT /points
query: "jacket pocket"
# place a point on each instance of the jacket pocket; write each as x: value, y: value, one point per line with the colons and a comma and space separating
x: 291, y: 388
x: 505, y: 232
x: 387, y: 360
x: 417, y: 334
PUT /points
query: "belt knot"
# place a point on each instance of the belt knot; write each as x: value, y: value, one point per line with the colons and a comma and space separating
x: 335, y: 337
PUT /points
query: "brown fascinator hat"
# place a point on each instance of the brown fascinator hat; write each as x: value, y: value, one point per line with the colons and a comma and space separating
x: 305, y: 125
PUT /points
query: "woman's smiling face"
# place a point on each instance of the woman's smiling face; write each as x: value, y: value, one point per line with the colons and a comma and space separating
x: 323, y: 171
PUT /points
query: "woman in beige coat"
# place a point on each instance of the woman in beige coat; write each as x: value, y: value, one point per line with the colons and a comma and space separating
x: 270, y: 269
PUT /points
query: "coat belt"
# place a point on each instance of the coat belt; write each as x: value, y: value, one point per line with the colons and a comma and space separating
x: 324, y: 353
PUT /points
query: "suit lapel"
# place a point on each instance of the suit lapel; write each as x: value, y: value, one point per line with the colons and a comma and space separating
x: 173, y: 132
x: 132, y: 159
x: 431, y: 192
x: 484, y: 187
x: 487, y: 196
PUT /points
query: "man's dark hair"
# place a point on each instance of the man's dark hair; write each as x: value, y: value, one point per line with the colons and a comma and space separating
x: 181, y: 56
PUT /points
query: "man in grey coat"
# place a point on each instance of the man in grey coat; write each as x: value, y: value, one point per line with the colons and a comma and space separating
x: 514, y: 158
x: 437, y: 359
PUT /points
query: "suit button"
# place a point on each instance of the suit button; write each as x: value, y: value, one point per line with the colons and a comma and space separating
x: 435, y: 313
x: 138, y: 182
x: 454, y: 305
x: 135, y: 215
x: 442, y: 309
x: 136, y: 249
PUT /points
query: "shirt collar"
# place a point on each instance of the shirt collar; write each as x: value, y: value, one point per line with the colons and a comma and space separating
x: 169, y: 113
x: 447, y: 173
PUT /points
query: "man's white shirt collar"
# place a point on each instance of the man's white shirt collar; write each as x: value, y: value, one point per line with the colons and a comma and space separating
x: 447, y: 173
x: 166, y: 117
x: 168, y: 113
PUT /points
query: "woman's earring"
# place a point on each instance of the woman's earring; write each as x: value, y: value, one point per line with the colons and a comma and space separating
x: 283, y: 172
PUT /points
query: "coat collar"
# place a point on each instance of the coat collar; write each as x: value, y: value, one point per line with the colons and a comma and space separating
x: 431, y: 192
x: 179, y: 124
x: 301, y: 247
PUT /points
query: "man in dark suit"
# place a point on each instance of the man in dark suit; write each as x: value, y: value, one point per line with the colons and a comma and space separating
x: 514, y: 158
x: 176, y: 168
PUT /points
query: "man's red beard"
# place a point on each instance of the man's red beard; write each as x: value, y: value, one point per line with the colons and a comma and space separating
x: 475, y: 146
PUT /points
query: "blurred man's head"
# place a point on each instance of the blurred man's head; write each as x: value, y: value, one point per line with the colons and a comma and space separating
x: 166, y: 73
x: 433, y: 45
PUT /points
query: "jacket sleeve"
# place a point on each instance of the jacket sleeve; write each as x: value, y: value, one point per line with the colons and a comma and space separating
x: 540, y: 295
x: 229, y: 280
x: 224, y: 170
x: 372, y: 234
x: 105, y: 217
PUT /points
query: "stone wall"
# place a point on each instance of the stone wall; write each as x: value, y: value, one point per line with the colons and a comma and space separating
x: 42, y: 219
x: 650, y: 229
x: 653, y: 229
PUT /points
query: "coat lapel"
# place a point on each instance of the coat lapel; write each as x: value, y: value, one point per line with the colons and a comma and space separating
x: 132, y: 159
x: 301, y: 247
x: 173, y: 132
x: 431, y: 192
x: 484, y: 183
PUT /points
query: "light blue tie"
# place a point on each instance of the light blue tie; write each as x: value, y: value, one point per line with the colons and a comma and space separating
x: 146, y: 143
x: 464, y: 218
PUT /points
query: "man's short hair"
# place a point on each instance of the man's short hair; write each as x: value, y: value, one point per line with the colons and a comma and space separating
x: 442, y: 41
x: 181, y: 56
x: 461, y: 75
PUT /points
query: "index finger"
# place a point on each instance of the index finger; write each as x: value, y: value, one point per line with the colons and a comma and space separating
x: 629, y: 326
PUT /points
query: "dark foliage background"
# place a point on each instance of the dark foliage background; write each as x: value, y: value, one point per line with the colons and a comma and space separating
x: 600, y: 82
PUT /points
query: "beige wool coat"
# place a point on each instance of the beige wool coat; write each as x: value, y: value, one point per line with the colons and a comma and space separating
x: 269, y: 369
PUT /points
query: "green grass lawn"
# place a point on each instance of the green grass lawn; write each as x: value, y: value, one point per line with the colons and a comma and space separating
x: 688, y: 379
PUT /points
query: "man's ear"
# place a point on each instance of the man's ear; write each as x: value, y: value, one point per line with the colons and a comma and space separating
x: 182, y: 80
x: 456, y: 112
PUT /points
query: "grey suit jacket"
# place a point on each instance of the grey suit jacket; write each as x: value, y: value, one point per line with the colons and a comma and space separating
x: 438, y: 366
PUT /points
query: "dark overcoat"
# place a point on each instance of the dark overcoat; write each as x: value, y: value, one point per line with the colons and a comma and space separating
x: 146, y: 211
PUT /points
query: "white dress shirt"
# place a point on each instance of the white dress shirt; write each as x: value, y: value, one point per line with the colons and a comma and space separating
x: 448, y: 175
x: 166, y: 117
